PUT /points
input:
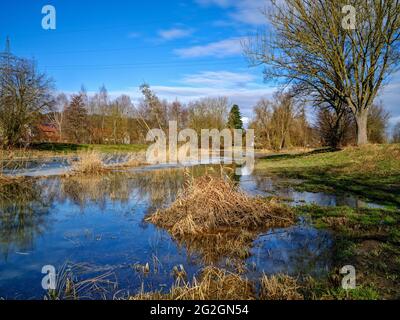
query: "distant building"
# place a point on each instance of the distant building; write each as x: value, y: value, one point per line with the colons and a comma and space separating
x: 48, y: 133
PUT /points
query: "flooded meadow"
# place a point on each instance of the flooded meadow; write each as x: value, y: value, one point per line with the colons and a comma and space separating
x: 95, y: 226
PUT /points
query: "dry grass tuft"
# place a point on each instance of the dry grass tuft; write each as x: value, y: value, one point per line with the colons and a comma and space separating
x: 280, y: 287
x: 214, y: 284
x: 89, y: 163
x: 210, y: 205
x: 213, y: 218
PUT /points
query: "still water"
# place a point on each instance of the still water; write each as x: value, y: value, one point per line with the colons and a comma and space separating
x: 97, y: 223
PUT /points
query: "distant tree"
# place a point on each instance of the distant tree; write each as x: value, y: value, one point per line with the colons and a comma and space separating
x: 335, y: 127
x: 177, y: 112
x: 120, y: 109
x: 378, y: 119
x: 235, y: 118
x: 57, y: 115
x: 281, y: 123
x: 24, y: 95
x: 76, y: 119
x: 261, y: 123
x: 208, y: 113
x: 152, y: 110
x: 282, y: 119
x: 396, y: 133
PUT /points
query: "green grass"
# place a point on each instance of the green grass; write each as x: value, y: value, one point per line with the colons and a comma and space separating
x: 366, y: 238
x: 372, y: 172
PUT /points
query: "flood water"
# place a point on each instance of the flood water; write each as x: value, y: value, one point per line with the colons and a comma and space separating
x: 97, y: 223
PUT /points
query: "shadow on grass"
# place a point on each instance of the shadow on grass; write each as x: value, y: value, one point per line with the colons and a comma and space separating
x: 57, y: 147
x: 381, y: 189
x: 285, y: 156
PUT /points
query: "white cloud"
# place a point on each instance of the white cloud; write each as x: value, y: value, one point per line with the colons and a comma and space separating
x: 220, y: 3
x: 244, y: 11
x: 246, y: 98
x: 219, y: 79
x: 220, y: 49
x: 175, y: 33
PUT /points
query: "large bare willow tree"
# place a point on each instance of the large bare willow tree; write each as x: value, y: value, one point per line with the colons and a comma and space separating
x: 308, y: 44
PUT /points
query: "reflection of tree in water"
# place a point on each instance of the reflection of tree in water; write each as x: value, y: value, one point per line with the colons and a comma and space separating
x: 23, y: 215
x: 83, y: 189
x: 153, y: 189
x: 24, y: 206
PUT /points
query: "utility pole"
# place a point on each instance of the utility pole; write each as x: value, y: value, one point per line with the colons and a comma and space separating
x: 8, y: 50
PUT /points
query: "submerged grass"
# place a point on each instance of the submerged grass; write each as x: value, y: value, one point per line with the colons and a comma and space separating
x: 220, y: 284
x: 280, y: 287
x: 93, y: 162
x: 89, y: 163
x: 214, y: 284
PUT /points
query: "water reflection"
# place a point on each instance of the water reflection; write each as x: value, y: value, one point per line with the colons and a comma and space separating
x: 23, y: 216
x: 99, y: 220
x: 284, y: 189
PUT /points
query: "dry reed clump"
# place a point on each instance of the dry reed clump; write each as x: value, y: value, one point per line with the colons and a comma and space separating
x: 89, y: 163
x: 210, y: 205
x: 214, y: 284
x: 131, y: 160
x: 280, y: 287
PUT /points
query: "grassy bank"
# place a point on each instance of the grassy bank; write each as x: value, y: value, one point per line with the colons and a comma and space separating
x: 43, y: 150
x: 372, y: 171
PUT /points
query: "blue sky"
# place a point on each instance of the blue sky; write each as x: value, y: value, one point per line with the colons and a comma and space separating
x: 184, y: 49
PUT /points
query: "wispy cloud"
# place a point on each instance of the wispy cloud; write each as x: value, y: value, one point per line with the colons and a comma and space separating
x: 244, y: 11
x: 219, y: 49
x: 134, y: 35
x: 175, y: 33
x: 238, y: 87
x: 219, y: 79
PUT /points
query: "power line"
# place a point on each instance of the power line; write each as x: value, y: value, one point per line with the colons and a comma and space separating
x: 143, y: 64
x: 155, y: 46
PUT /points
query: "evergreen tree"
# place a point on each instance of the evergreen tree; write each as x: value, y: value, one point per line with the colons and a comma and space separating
x: 235, y: 118
x: 76, y: 119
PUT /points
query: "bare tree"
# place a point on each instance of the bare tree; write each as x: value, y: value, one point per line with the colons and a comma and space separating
x: 208, y: 113
x: 378, y: 119
x: 335, y: 126
x: 261, y: 123
x: 310, y: 48
x: 57, y: 115
x: 24, y: 95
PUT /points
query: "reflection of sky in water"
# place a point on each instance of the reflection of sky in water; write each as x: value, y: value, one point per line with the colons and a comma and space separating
x: 295, y: 250
x: 266, y: 186
x: 99, y: 220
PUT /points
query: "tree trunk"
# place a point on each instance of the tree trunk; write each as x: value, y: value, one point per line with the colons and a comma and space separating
x: 361, y: 120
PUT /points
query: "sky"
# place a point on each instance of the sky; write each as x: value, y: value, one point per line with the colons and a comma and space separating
x: 185, y: 49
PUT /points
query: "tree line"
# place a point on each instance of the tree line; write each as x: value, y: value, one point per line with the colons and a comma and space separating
x: 30, y: 108
x: 28, y: 99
